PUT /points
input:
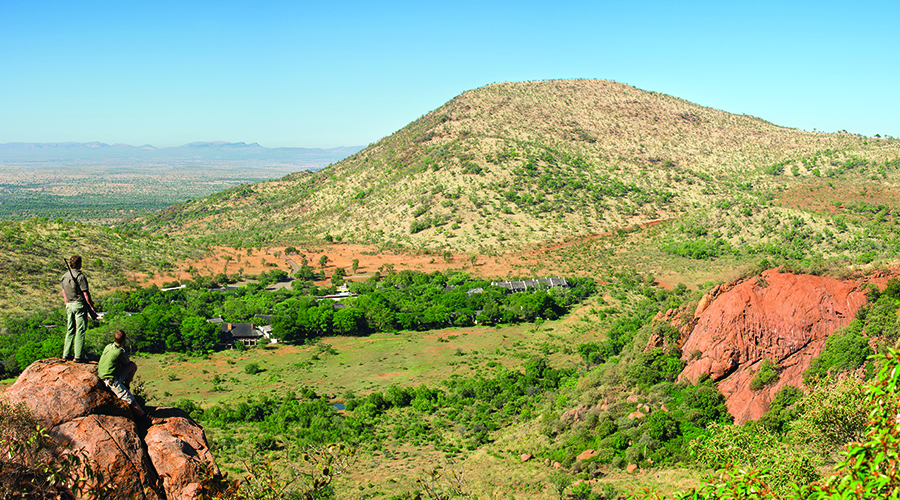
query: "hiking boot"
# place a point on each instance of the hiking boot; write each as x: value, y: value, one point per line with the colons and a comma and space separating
x: 80, y: 360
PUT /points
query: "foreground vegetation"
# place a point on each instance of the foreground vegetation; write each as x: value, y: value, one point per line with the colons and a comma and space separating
x: 536, y: 401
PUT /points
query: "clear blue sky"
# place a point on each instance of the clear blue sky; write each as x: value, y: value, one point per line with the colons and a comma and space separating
x: 326, y: 74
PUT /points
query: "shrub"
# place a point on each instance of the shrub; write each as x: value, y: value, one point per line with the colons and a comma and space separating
x: 310, y: 477
x: 707, y: 404
x: 733, y: 446
x: 781, y: 411
x: 767, y: 374
x: 652, y: 367
x: 252, y: 369
x: 846, y: 350
x: 833, y: 415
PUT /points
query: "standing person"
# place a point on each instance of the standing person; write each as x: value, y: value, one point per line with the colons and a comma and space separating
x: 116, y: 370
x: 78, y: 303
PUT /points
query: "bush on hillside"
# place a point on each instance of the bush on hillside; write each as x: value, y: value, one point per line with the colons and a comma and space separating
x: 844, y: 350
x: 781, y: 410
x: 767, y: 374
x: 652, y: 367
x: 831, y: 416
x: 750, y: 447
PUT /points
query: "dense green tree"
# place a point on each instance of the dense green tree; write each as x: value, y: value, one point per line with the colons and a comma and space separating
x: 197, y: 334
x: 350, y: 321
x: 652, y: 367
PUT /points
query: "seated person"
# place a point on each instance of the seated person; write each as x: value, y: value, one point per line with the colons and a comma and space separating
x: 117, y: 371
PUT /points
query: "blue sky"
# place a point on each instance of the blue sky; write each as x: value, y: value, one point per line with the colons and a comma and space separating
x: 327, y: 74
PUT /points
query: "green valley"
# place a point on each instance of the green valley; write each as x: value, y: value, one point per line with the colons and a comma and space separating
x: 674, y: 225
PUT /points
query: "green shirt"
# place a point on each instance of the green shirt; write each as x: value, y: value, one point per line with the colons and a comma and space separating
x: 112, y: 361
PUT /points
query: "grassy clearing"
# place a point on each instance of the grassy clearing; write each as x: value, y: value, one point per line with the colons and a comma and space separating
x: 336, y: 365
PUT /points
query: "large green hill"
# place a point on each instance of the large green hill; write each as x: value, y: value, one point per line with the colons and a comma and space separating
x: 511, y: 165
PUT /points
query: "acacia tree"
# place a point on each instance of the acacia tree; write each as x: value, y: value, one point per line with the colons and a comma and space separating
x: 337, y: 278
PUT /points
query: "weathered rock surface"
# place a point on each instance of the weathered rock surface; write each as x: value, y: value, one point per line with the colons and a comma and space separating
x: 58, y: 392
x: 783, y: 317
x: 177, y: 446
x: 166, y: 457
x: 114, y: 444
x: 575, y: 414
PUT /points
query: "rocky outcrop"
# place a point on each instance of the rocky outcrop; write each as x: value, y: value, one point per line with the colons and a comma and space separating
x: 178, y: 449
x: 165, y: 456
x: 778, y: 316
x: 58, y: 392
x: 115, y: 446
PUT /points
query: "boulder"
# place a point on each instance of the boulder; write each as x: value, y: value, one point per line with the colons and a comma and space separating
x: 163, y: 457
x: 57, y: 392
x: 778, y: 316
x: 113, y: 443
x: 178, y: 450
x: 575, y: 414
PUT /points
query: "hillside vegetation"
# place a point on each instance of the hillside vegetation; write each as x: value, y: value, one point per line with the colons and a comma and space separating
x: 33, y: 255
x: 511, y: 165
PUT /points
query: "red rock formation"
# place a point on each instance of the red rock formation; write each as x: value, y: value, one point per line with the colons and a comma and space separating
x: 113, y: 443
x: 76, y: 406
x: 58, y: 392
x: 782, y: 317
x: 178, y: 449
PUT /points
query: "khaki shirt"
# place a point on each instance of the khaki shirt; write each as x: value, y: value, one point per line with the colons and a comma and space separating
x: 70, y: 286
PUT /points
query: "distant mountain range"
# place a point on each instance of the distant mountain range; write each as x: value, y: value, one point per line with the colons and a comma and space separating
x: 218, y: 153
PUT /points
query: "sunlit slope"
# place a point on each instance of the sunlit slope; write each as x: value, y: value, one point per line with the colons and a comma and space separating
x: 511, y: 165
x: 33, y: 255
